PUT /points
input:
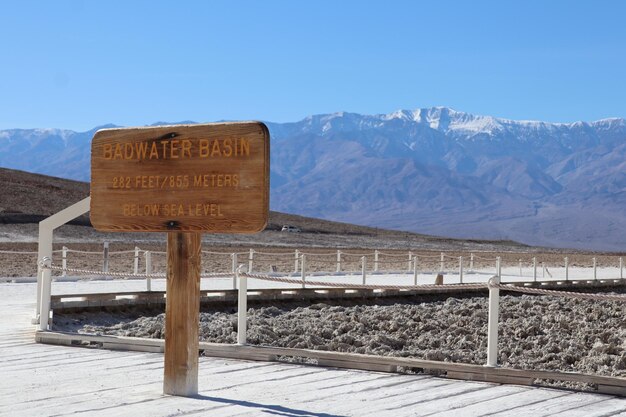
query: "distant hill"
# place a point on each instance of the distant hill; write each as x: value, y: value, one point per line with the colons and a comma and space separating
x: 29, y: 198
x: 433, y: 171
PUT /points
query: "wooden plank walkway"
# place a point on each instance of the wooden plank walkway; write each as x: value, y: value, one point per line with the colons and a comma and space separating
x: 46, y: 380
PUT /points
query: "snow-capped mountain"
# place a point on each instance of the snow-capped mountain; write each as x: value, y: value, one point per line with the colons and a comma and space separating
x: 433, y: 170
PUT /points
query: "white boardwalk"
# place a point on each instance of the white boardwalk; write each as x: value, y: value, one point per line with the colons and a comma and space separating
x: 44, y: 380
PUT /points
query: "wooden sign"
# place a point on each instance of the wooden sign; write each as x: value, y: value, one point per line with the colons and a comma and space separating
x: 208, y: 178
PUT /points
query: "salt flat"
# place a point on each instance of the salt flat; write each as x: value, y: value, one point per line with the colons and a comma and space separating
x: 44, y: 380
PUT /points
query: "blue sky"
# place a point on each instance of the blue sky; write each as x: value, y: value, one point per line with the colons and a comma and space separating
x: 79, y: 64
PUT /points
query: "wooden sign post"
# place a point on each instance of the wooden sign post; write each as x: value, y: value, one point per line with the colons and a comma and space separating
x: 184, y: 180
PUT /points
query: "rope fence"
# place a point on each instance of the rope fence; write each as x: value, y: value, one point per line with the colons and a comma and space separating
x: 339, y: 261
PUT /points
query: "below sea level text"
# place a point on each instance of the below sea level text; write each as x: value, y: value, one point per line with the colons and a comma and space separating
x: 173, y: 210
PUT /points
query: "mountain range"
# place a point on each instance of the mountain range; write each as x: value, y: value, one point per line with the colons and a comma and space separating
x: 432, y: 170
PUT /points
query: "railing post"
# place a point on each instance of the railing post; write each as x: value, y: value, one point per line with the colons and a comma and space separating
x: 376, y: 260
x: 471, y: 262
x: 534, y: 269
x: 136, y: 261
x: 338, y: 260
x: 499, y: 266
x: 461, y: 269
x: 148, y: 257
x: 303, y: 267
x: 492, y: 324
x: 64, y: 261
x: 595, y: 269
x: 46, y: 293
x: 442, y: 262
x: 105, y: 255
x: 363, y: 272
x: 250, y: 259
x: 233, y: 257
x: 242, y: 306
x: 621, y: 267
x: 415, y: 270
x: 520, y: 268
x: 566, y: 268
x: 296, y: 260
x: 410, y: 265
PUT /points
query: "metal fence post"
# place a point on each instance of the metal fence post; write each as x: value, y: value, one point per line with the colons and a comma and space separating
x: 471, y: 262
x: 242, y: 306
x: 338, y: 260
x: 520, y: 268
x: 250, y: 259
x: 595, y: 269
x: 105, y: 260
x: 534, y: 269
x: 621, y: 267
x: 363, y: 269
x: 543, y: 268
x: 442, y: 262
x: 303, y: 266
x: 415, y: 270
x: 64, y: 261
x: 376, y: 260
x: 566, y: 268
x: 410, y: 265
x: 461, y: 269
x: 234, y: 268
x: 136, y: 261
x: 296, y: 260
x: 499, y: 266
x: 492, y: 324
x: 148, y: 257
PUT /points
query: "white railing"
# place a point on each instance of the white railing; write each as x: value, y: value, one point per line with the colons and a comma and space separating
x: 305, y: 263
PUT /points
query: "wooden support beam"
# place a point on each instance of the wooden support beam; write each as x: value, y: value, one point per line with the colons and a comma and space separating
x: 182, y: 311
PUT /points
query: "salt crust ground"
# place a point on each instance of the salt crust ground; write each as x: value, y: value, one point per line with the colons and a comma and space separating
x: 537, y: 332
x: 39, y: 380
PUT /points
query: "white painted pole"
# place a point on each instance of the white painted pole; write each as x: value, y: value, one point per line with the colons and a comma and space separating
x: 595, y: 269
x: 136, y: 261
x: 44, y: 251
x: 415, y: 270
x: 250, y: 260
x: 296, y: 260
x: 410, y: 265
x: 46, y: 293
x: 461, y: 269
x: 534, y: 269
x: 566, y: 268
x: 64, y: 261
x: 242, y: 306
x: 376, y: 261
x: 471, y: 262
x: 363, y: 272
x: 442, y: 262
x: 233, y: 257
x: 105, y: 257
x: 499, y: 263
x: 338, y: 261
x: 621, y: 267
x: 303, y: 267
x: 492, y: 325
x: 148, y: 257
